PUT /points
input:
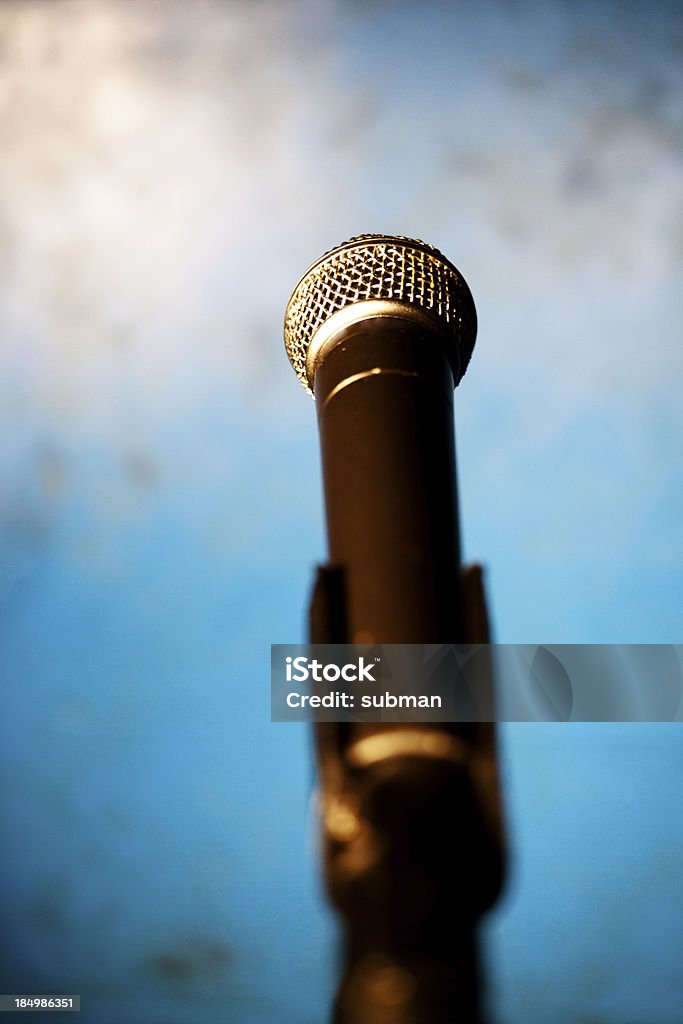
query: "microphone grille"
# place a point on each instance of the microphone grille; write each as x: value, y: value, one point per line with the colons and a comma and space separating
x: 403, y: 271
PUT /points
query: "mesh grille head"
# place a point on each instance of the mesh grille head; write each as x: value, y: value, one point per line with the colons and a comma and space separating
x: 381, y: 267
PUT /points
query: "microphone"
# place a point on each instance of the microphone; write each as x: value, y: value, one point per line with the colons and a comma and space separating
x: 380, y: 330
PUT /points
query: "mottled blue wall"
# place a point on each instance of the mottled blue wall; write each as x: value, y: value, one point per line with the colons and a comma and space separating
x: 167, y: 171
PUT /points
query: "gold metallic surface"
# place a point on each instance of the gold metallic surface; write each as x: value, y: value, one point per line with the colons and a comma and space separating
x: 387, y: 986
x: 361, y: 376
x: 406, y: 743
x: 328, y: 333
x: 395, y: 276
x: 341, y: 820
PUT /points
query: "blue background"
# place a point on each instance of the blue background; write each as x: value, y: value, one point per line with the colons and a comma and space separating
x: 167, y: 172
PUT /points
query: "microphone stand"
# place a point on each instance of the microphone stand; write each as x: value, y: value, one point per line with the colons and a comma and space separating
x: 379, y: 331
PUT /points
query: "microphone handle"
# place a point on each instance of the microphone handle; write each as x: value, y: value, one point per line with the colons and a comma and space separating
x: 413, y: 845
x: 384, y: 397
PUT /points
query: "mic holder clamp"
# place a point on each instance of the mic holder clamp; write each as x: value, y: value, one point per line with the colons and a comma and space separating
x: 412, y: 842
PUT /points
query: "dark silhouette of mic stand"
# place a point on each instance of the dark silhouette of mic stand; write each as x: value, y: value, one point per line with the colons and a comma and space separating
x: 380, y: 330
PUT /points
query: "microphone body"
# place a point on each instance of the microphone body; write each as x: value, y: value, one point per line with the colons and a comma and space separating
x: 384, y: 397
x: 379, y: 331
